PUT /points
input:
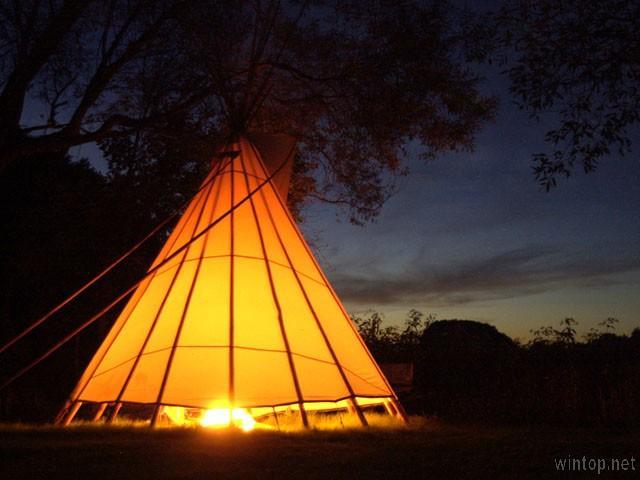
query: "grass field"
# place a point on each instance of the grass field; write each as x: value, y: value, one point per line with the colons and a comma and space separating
x: 427, y: 449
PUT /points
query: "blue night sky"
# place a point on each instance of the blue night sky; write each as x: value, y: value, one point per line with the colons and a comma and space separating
x: 472, y: 235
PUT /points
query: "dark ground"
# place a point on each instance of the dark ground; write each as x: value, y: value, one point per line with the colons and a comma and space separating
x: 430, y: 450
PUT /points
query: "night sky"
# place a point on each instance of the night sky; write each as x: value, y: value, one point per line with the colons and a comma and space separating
x: 473, y: 236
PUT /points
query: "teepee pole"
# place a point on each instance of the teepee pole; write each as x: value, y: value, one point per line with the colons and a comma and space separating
x: 104, y: 354
x: 389, y: 407
x: 155, y: 418
x: 276, y: 301
x: 187, y: 303
x: 114, y: 412
x: 106, y: 350
x: 101, y: 408
x: 328, y: 284
x: 357, y: 409
x: 354, y: 409
x: 343, y: 376
x: 355, y: 405
x: 296, y: 284
x: 400, y: 411
x: 62, y: 412
x: 196, y: 206
x: 394, y: 408
x: 158, y: 409
x: 231, y: 392
x: 68, y: 418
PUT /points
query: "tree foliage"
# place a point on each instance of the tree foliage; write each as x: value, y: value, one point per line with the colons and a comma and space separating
x: 468, y: 371
x: 390, y: 343
x: 58, y: 220
x: 577, y: 64
x: 353, y: 80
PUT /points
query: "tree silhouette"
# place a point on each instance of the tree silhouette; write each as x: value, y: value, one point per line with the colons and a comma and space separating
x: 354, y: 81
x: 577, y: 64
x: 58, y: 218
x: 469, y: 371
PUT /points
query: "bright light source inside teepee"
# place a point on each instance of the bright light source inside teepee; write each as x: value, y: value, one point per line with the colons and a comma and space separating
x: 213, y: 417
x: 225, y: 417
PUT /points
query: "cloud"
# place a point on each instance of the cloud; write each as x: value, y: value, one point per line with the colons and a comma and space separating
x: 513, y: 273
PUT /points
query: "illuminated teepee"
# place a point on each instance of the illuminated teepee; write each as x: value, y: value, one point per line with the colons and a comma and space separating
x: 237, y: 319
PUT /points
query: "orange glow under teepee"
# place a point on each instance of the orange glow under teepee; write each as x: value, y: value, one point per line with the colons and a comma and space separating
x: 243, y: 319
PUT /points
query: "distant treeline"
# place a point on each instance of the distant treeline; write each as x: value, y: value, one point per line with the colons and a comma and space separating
x: 470, y: 372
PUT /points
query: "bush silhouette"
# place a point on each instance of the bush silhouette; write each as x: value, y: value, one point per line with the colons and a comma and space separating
x: 470, y: 372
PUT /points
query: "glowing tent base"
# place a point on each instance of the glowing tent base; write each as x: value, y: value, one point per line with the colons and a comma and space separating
x: 281, y: 417
x: 234, y: 315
